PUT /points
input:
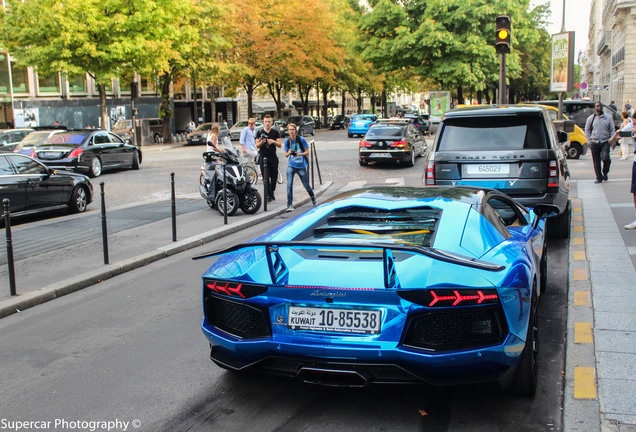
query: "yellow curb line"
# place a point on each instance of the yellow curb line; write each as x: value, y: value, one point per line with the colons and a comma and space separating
x: 584, y: 383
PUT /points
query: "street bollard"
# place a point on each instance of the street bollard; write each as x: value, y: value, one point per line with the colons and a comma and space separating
x: 265, y: 183
x: 224, y: 194
x: 7, y: 225
x: 104, y: 225
x: 174, y: 208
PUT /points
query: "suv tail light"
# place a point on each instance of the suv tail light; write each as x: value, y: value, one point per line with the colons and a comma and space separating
x: 553, y: 176
x: 430, y: 172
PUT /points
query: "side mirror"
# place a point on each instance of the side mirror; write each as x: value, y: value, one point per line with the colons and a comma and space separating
x: 544, y: 211
x: 563, y: 136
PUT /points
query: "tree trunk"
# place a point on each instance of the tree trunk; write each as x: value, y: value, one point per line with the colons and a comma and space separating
x: 249, y: 88
x: 344, y: 101
x: 460, y: 95
x: 103, y: 111
x: 325, y: 102
x: 165, y: 107
x: 359, y: 100
x: 385, y: 109
x: 196, y: 109
x: 373, y: 103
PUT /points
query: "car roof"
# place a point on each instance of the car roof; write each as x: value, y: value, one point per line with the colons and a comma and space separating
x: 493, y: 110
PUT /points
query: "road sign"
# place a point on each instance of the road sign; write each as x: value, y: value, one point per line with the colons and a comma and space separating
x: 583, y: 85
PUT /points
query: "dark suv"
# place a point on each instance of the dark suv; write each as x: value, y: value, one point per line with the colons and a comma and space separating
x: 580, y: 110
x: 516, y: 149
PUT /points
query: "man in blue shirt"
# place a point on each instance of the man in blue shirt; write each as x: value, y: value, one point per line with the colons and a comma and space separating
x: 247, y: 140
x: 296, y: 148
x: 599, y: 128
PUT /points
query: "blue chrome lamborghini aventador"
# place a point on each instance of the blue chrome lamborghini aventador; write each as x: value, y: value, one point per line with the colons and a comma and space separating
x: 386, y: 285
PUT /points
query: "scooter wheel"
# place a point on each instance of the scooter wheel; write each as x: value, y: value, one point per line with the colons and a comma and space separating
x: 251, y: 201
x: 232, y: 202
x: 211, y: 204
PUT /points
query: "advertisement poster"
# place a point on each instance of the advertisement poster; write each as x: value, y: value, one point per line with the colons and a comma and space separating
x: 440, y: 103
x: 27, y: 117
x: 562, y: 66
x: 117, y: 113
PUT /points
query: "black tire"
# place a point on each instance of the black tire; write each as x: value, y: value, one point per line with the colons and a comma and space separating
x: 251, y: 202
x: 156, y: 138
x: 251, y: 175
x: 313, y: 132
x: 135, y: 161
x: 411, y: 161
x: 363, y: 162
x: 525, y: 382
x: 574, y: 150
x: 349, y: 135
x: 543, y: 267
x: 211, y: 204
x: 79, y: 200
x: 301, y: 132
x: 559, y: 227
x: 232, y: 202
x: 96, y: 167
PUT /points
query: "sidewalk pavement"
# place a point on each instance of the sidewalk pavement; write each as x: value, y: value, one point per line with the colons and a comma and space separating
x: 600, y: 386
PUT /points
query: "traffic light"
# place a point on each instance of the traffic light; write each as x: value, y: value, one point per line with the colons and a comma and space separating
x: 502, y: 34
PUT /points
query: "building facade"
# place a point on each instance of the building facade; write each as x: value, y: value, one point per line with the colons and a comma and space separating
x: 609, y: 64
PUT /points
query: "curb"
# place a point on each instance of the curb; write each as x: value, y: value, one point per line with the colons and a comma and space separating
x: 67, y: 286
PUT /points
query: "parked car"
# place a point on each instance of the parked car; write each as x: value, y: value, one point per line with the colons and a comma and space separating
x: 420, y: 122
x: 9, y: 138
x: 34, y: 139
x: 32, y: 187
x: 445, y: 292
x: 305, y: 124
x: 577, y: 144
x: 88, y: 150
x: 514, y: 148
x: 124, y: 129
x: 580, y: 110
x: 392, y: 141
x: 339, y: 122
x: 235, y: 131
x: 201, y: 133
x: 359, y: 124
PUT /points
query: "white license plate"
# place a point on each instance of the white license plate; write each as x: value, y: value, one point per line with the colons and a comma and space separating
x: 488, y: 169
x: 50, y: 155
x: 358, y: 321
x: 380, y: 155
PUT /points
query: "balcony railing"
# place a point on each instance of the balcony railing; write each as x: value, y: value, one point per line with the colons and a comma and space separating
x: 604, y: 42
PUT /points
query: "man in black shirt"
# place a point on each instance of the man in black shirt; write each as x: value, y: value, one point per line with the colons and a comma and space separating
x: 266, y: 140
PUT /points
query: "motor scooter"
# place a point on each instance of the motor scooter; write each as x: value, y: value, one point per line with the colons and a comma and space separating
x: 240, y: 193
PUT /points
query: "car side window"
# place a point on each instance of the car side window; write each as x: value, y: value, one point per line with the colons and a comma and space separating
x: 101, y: 139
x: 509, y: 214
x: 5, y: 167
x: 115, y: 139
x: 26, y: 165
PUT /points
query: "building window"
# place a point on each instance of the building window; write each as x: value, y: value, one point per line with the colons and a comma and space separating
x: 4, y: 74
x: 77, y: 84
x: 20, y: 77
x: 147, y: 85
x: 48, y: 84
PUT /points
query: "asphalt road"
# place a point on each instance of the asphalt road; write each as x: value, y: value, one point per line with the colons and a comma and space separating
x: 131, y: 347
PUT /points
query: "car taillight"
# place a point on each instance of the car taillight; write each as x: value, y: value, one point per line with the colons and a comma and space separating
x: 234, y: 289
x: 553, y: 174
x: 399, y: 144
x: 76, y: 152
x: 450, y: 298
x: 349, y: 124
x: 430, y: 172
x: 32, y: 153
x: 364, y: 143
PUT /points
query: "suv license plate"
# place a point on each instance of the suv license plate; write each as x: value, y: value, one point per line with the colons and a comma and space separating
x: 358, y: 321
x: 487, y: 169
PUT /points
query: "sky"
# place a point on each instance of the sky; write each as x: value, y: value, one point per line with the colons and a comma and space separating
x: 577, y: 19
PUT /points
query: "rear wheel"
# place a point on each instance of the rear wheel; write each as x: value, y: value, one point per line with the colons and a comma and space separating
x: 525, y: 382
x: 411, y: 161
x: 350, y: 135
x: 250, y: 174
x: 135, y: 161
x: 79, y: 200
x: 363, y: 162
x: 232, y: 202
x: 96, y: 167
x: 251, y: 202
x: 559, y: 227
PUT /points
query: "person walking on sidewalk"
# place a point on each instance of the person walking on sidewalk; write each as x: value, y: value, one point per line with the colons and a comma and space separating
x: 627, y: 125
x: 296, y: 149
x: 267, y: 139
x: 599, y: 128
x: 247, y: 141
x: 633, y: 187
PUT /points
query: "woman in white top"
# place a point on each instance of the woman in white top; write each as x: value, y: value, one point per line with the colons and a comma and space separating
x: 625, y: 141
x: 213, y: 140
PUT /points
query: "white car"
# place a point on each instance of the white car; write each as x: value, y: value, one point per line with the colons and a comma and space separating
x: 235, y: 131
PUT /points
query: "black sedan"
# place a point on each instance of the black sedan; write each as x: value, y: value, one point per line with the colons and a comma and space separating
x: 339, y: 122
x: 32, y: 187
x: 89, y: 151
x: 421, y: 122
x: 392, y: 141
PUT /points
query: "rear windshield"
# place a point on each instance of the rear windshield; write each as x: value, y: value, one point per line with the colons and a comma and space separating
x: 493, y: 133
x: 67, y: 138
x: 363, y: 117
x: 384, y: 131
x: 412, y: 226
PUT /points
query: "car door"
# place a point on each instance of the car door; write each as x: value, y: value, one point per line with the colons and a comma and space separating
x: 104, y: 149
x: 121, y: 153
x: 12, y: 186
x: 308, y: 125
x: 42, y: 189
x: 414, y: 136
